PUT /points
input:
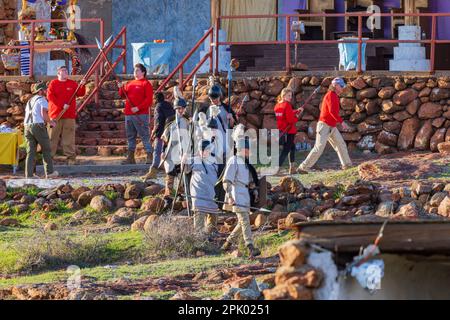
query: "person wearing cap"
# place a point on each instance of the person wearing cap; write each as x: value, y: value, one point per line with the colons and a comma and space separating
x: 139, y: 100
x: 203, y: 170
x: 327, y: 131
x: 164, y: 113
x: 236, y: 179
x: 176, y: 138
x: 35, y: 131
x: 59, y: 92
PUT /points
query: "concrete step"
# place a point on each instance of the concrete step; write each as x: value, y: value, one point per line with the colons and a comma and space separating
x: 409, y: 65
x: 409, y: 53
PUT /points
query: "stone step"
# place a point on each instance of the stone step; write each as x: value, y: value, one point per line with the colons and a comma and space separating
x: 102, y: 134
x: 409, y: 65
x: 407, y: 53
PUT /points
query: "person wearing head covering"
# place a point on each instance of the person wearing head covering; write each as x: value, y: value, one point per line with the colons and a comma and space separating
x: 203, y: 170
x: 326, y: 129
x: 176, y: 137
x: 236, y: 179
x: 164, y: 113
x: 35, y: 131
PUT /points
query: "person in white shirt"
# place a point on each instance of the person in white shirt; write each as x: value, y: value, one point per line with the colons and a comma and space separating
x: 36, y: 117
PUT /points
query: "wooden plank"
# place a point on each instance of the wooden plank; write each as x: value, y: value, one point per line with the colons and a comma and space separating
x: 420, y: 237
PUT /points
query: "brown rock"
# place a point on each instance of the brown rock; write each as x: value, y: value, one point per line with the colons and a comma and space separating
x: 274, y: 88
x: 390, y: 107
x: 295, y: 84
x: 358, y: 83
x: 425, y: 92
x: 368, y: 93
x: 348, y: 104
x: 437, y: 199
x: 153, y: 205
x: 355, y: 136
x: 50, y: 226
x: 438, y: 122
x: 101, y: 204
x: 388, y: 138
x: 383, y: 149
x: 444, y: 148
x: 438, y: 94
x: 392, y: 127
x: 294, y: 218
x: 430, y: 110
x: 291, y: 185
x: 269, y: 122
x: 260, y: 220
x: 411, y: 210
x: 139, y: 224
x: 423, y: 137
x: 149, y: 222
x: 408, y: 133
x: 373, y: 107
x: 2, y: 189
x: 419, y: 86
x: 404, y: 97
x: 85, y: 198
x: 400, y: 85
x: 133, y: 203
x: 18, y: 87
x: 402, y: 116
x: 293, y: 254
x: 386, y: 93
x: 9, y: 222
x: 436, y: 139
x: 444, y: 207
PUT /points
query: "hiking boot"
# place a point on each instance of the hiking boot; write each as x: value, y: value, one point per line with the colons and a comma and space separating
x: 149, y: 158
x: 151, y: 174
x: 52, y: 175
x: 130, y: 158
x: 301, y: 171
x: 226, y: 246
x: 254, y: 252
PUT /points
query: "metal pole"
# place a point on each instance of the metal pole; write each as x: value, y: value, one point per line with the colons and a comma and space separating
x: 216, y: 71
x: 359, y: 43
x: 288, y: 44
x: 124, y: 40
x: 211, y: 52
x: 433, y: 44
x: 180, y: 79
x: 102, y: 38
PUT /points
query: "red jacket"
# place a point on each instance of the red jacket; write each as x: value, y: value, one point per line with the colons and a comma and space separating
x: 140, y: 93
x: 286, y: 118
x: 59, y: 94
x: 330, y: 109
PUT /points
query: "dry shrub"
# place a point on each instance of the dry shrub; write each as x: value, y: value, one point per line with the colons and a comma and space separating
x: 175, y: 237
x: 51, y: 249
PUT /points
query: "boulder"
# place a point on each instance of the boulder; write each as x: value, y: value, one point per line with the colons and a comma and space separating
x: 392, y: 127
x: 408, y: 133
x: 2, y: 189
x: 288, y: 292
x: 430, y: 111
x: 386, y: 209
x: 291, y: 185
x: 149, y: 222
x: 444, y: 207
x: 293, y: 218
x: 386, y: 93
x: 9, y: 222
x: 387, y: 138
x: 411, y: 210
x: 101, y: 204
x: 423, y: 137
x: 123, y: 216
x: 348, y: 104
x: 274, y: 87
x: 153, y: 205
x: 139, y: 224
x: 444, y: 148
x: 436, y: 139
x: 437, y: 199
x: 134, y: 190
x: 367, y: 93
x: 388, y: 106
x: 358, y: 83
x: 438, y: 94
x: 85, y: 198
x: 293, y: 254
x: 295, y: 85
x: 404, y: 97
x: 305, y: 276
x: 153, y: 190
x: 335, y: 214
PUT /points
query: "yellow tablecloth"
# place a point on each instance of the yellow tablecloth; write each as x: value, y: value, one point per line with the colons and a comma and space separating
x: 9, y: 144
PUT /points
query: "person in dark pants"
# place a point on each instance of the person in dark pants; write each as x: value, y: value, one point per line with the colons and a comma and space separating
x: 286, y: 122
x: 36, y: 116
x: 164, y: 113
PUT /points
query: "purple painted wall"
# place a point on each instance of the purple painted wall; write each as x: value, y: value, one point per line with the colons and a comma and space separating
x: 443, y: 28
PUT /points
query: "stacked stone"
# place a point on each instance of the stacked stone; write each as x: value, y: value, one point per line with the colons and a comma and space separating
x: 294, y: 279
x: 13, y: 97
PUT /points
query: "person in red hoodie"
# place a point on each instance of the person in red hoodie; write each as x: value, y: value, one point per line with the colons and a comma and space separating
x: 139, y: 99
x: 286, y: 123
x: 326, y: 130
x: 58, y: 95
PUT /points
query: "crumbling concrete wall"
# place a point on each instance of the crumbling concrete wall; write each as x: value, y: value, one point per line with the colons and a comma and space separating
x: 405, y: 278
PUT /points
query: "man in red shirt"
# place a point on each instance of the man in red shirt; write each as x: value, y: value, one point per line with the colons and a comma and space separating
x: 139, y: 99
x: 58, y: 95
x: 327, y: 131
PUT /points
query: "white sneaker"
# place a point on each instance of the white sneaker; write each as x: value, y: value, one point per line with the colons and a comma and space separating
x: 52, y: 175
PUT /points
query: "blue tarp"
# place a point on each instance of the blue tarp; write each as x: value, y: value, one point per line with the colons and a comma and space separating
x: 154, y: 56
x: 348, y: 54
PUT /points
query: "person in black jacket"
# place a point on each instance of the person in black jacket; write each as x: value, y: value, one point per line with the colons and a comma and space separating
x: 164, y: 113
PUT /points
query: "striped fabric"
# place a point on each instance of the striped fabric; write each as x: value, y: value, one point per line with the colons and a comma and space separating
x: 24, y: 59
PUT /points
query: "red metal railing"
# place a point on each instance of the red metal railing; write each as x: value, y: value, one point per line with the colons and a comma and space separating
x: 33, y: 46
x: 179, y: 68
x: 360, y: 15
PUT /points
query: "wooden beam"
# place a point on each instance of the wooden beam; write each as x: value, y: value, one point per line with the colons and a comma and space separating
x: 424, y: 237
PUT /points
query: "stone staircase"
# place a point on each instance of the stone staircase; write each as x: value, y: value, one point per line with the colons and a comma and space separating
x: 101, y: 127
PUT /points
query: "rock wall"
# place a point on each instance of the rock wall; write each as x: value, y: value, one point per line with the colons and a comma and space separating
x: 384, y: 114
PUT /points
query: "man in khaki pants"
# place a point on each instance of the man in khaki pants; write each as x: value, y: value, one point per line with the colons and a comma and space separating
x: 59, y: 93
x: 327, y: 131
